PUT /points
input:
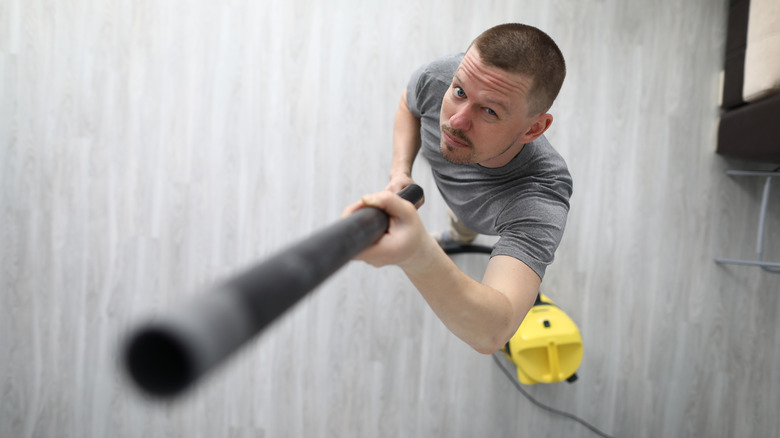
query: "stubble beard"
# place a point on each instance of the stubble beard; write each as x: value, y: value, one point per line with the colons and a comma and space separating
x: 456, y: 155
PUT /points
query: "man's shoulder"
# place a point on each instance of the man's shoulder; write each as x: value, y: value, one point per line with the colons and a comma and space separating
x: 542, y: 154
x: 429, y: 83
x: 443, y: 67
x: 439, y: 70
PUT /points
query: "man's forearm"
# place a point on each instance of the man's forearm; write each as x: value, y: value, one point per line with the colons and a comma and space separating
x: 480, y: 315
x: 406, y: 140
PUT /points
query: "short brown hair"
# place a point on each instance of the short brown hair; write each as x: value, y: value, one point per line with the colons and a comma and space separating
x: 526, y: 50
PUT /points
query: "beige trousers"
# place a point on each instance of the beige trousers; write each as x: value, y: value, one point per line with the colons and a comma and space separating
x: 458, y: 231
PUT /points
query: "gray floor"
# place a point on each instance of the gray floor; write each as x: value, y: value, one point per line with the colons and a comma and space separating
x: 148, y: 149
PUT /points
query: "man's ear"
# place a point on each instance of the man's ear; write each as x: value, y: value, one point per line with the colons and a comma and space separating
x: 542, y: 122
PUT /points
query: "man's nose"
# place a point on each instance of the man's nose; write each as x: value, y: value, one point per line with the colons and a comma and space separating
x: 461, y: 119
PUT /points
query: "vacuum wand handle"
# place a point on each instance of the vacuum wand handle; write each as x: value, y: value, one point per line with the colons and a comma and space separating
x: 166, y: 355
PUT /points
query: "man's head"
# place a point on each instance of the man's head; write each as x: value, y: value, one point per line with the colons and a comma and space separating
x: 499, y: 95
x: 527, y: 51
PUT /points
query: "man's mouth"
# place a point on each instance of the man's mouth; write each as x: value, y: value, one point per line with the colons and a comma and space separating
x: 453, y: 138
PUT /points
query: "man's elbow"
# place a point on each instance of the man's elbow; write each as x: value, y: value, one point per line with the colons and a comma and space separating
x: 486, y: 349
x: 489, y: 343
x: 489, y: 346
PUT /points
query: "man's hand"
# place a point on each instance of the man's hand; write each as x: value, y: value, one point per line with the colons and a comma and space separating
x: 398, y: 182
x: 405, y: 242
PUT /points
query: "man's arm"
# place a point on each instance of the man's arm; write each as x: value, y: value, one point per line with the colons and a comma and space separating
x: 484, y: 315
x: 406, y: 145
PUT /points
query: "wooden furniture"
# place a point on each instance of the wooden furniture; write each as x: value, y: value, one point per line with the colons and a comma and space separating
x: 750, y: 124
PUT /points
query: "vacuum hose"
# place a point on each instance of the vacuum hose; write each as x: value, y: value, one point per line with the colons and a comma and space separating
x: 167, y: 354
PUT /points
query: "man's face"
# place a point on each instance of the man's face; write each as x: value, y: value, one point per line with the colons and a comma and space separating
x: 484, y: 115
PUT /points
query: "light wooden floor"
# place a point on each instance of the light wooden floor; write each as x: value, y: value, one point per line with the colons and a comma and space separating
x: 148, y: 149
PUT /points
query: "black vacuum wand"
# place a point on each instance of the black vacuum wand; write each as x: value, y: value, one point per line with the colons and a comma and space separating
x: 167, y: 354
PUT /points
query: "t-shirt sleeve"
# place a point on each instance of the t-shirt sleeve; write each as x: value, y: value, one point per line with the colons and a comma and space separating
x: 531, y: 228
x: 429, y: 83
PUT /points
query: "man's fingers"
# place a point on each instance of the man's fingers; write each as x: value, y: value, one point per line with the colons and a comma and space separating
x: 389, y: 202
x: 352, y: 208
x: 405, y: 230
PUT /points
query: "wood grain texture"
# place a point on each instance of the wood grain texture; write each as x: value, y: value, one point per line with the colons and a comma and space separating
x: 149, y: 149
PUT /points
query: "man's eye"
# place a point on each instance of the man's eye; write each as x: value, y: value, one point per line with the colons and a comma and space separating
x: 459, y: 92
x: 491, y: 112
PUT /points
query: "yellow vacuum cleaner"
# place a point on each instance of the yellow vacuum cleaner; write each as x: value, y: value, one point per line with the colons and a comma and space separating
x: 547, y: 346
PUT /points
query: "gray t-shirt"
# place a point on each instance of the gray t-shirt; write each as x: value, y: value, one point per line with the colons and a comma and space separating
x: 525, y: 202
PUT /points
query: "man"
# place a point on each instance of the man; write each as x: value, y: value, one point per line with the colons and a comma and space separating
x: 479, y: 118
